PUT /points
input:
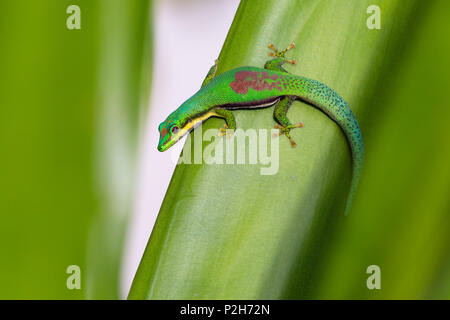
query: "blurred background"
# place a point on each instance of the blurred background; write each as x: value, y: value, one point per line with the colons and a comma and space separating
x: 82, y: 181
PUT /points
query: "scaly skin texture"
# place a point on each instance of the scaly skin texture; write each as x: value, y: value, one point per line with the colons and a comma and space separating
x: 252, y: 87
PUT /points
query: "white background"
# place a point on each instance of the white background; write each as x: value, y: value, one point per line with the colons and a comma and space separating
x: 188, y: 37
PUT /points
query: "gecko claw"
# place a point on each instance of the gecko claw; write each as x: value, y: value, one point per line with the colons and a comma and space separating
x: 293, y: 144
x: 291, y: 46
x: 293, y: 62
x: 222, y: 132
x: 276, y: 134
x: 298, y: 125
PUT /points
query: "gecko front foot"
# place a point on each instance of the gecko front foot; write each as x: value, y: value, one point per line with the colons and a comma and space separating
x: 286, y: 131
x: 223, y: 131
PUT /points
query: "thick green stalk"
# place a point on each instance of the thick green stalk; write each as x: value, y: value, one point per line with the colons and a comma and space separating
x: 225, y: 231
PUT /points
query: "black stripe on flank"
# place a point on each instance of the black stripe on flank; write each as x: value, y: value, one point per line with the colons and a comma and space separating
x: 251, y: 104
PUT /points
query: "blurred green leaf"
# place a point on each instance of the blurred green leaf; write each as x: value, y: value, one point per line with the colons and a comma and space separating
x: 225, y: 231
x: 61, y: 92
x: 124, y: 76
x: 403, y: 218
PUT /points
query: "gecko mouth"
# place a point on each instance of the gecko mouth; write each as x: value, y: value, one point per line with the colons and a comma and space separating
x: 172, y: 138
x: 165, y: 144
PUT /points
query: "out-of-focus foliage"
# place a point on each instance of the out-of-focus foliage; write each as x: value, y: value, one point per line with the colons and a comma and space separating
x: 69, y: 102
x: 403, y: 209
x: 225, y: 231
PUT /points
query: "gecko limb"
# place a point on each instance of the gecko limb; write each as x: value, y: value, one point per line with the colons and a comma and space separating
x: 211, y: 73
x: 229, y: 119
x: 280, y: 115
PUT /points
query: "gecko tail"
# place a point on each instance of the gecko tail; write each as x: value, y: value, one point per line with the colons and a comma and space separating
x: 333, y: 105
x: 356, y: 175
x: 357, y: 149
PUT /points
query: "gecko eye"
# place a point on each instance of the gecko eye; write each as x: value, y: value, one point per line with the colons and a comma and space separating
x: 174, y: 130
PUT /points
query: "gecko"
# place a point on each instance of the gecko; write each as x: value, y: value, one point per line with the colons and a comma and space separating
x: 271, y: 86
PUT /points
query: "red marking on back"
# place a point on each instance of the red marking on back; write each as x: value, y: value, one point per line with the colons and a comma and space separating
x: 243, y: 80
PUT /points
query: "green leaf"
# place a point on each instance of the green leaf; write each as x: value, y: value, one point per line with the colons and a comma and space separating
x: 227, y: 232
x: 124, y: 71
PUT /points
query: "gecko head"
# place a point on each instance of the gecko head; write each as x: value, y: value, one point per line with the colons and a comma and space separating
x: 170, y: 132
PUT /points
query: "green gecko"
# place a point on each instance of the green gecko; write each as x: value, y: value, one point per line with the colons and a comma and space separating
x: 252, y: 87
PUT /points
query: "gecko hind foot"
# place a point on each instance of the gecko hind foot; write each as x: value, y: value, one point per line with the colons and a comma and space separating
x: 286, y: 131
x: 280, y: 54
